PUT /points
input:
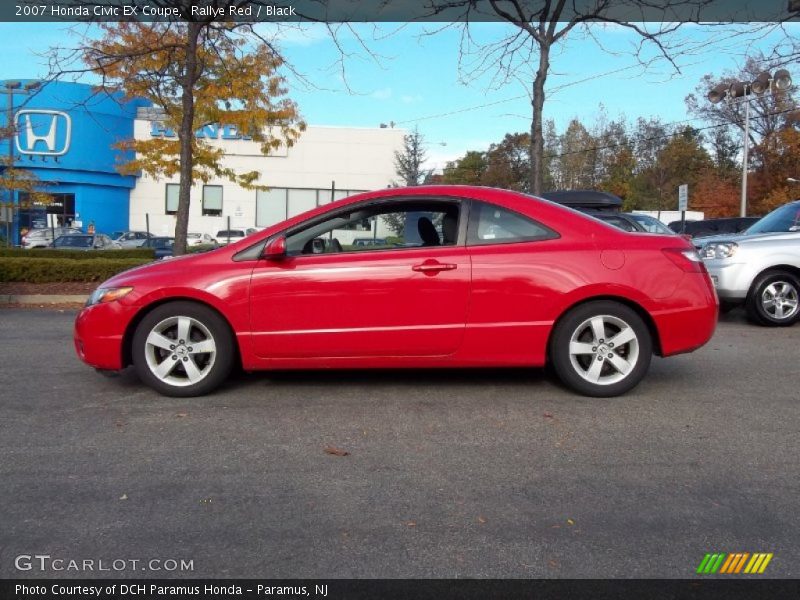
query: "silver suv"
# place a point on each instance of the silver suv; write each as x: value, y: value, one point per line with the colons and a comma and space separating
x: 759, y: 267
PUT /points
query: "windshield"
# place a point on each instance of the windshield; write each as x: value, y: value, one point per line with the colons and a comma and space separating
x: 651, y: 224
x: 782, y: 219
x: 73, y: 241
x: 231, y: 233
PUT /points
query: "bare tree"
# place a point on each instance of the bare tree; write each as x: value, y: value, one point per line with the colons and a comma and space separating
x: 768, y: 111
x: 539, y: 26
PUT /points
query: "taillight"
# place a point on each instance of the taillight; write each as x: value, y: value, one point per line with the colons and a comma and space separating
x: 686, y: 258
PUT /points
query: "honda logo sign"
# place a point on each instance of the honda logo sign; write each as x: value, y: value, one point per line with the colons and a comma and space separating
x: 43, y: 132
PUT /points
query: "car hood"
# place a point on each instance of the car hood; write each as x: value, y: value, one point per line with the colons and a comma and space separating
x: 131, y: 276
x: 741, y: 238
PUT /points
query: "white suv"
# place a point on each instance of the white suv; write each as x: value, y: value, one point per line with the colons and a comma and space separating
x: 759, y: 267
x: 43, y: 238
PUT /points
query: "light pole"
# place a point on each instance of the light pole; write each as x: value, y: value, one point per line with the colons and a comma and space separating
x: 10, y: 89
x: 741, y: 92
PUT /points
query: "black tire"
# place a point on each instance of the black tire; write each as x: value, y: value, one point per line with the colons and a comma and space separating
x: 205, y: 324
x: 755, y: 305
x: 574, y: 323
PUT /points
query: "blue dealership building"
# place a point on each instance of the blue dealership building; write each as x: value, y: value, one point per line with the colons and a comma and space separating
x: 65, y: 134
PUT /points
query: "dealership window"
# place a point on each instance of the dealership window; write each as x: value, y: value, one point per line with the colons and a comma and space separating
x: 270, y: 206
x: 301, y: 200
x: 277, y: 204
x: 172, y: 198
x: 212, y: 200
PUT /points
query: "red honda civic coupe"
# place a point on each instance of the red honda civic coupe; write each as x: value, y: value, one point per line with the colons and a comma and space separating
x: 449, y: 276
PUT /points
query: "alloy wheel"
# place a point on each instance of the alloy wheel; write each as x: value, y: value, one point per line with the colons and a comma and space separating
x: 180, y: 351
x: 604, y: 349
x: 780, y: 300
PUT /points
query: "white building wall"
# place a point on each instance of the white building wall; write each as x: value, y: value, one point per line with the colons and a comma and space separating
x: 356, y: 159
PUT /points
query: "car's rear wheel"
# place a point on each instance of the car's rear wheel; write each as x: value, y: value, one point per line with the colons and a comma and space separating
x: 601, y: 348
x: 183, y: 349
x: 774, y: 299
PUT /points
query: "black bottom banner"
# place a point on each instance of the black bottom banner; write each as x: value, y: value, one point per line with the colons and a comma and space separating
x: 422, y: 589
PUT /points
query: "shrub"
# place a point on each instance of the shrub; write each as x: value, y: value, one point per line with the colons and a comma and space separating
x: 49, y: 270
x: 200, y: 248
x: 144, y: 253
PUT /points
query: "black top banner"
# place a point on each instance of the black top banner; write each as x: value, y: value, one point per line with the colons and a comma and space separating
x: 400, y: 589
x: 354, y: 11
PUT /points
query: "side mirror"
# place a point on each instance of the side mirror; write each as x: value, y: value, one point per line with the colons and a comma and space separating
x: 275, y: 249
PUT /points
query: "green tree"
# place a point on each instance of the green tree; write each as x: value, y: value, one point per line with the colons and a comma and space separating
x: 467, y: 170
x: 15, y: 181
x: 198, y: 73
x: 508, y: 163
x: 409, y: 163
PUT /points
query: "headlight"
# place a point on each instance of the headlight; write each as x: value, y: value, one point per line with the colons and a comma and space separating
x: 719, y: 250
x: 102, y: 295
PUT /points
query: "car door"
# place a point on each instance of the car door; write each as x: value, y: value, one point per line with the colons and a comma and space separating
x: 332, y: 299
x: 517, y: 276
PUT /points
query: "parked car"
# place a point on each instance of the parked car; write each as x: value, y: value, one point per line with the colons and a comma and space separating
x: 551, y: 285
x: 631, y: 222
x: 161, y: 245
x: 226, y: 236
x: 760, y: 267
x: 131, y: 239
x: 584, y: 200
x: 85, y: 241
x: 200, y: 239
x: 708, y: 227
x: 369, y: 242
x: 43, y: 238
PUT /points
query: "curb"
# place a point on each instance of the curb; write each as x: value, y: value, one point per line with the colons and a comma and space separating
x: 42, y: 299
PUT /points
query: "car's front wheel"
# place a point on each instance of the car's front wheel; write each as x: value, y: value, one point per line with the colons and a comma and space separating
x: 183, y: 349
x: 774, y: 299
x: 601, y: 348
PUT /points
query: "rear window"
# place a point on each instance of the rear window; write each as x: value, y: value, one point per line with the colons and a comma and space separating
x: 490, y: 224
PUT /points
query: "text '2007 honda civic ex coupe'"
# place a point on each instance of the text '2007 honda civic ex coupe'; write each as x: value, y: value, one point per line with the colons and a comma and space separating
x: 463, y: 277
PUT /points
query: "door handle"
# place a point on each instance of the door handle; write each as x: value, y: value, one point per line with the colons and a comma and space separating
x: 434, y: 267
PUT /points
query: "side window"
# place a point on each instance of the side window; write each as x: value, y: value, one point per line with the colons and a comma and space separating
x: 382, y: 226
x: 490, y: 224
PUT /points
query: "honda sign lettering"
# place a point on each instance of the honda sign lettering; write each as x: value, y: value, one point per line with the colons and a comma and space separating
x: 43, y: 132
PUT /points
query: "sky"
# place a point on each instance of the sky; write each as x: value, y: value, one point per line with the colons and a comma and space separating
x: 416, y: 75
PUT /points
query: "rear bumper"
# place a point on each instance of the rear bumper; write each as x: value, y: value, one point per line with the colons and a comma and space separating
x: 692, y: 320
x: 99, y: 333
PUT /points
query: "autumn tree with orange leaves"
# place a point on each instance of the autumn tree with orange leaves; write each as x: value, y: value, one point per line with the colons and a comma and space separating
x: 197, y: 73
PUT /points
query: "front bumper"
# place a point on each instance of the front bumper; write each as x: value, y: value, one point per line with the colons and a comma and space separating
x: 99, y: 334
x: 731, y: 279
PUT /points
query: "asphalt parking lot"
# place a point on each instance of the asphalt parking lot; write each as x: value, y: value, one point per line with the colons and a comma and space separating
x: 449, y: 474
